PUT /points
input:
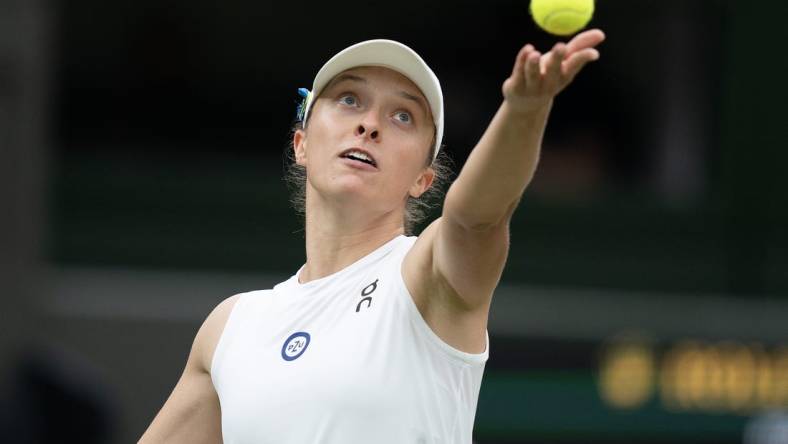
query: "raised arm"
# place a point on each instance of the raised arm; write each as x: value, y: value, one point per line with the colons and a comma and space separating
x: 504, y: 161
x: 466, y: 249
x: 192, y: 414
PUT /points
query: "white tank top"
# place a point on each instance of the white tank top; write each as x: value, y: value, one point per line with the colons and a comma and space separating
x: 347, y: 359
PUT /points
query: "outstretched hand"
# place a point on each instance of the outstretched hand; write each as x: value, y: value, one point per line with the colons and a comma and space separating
x: 537, y: 78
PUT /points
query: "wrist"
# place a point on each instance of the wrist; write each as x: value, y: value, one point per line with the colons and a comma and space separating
x: 527, y: 113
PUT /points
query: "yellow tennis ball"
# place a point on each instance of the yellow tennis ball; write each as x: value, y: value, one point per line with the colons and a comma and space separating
x: 562, y: 17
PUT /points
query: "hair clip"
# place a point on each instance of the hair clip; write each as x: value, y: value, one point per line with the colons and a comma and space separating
x: 303, y: 104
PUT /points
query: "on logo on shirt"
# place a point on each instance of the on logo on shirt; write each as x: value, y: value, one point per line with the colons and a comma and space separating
x: 365, y: 295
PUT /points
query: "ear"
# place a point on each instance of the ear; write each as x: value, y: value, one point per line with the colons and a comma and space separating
x: 299, y: 147
x: 423, y: 182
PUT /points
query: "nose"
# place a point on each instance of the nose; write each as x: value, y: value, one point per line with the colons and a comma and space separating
x: 368, y: 128
x: 362, y: 129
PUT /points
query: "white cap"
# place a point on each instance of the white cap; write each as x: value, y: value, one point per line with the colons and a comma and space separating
x: 392, y: 55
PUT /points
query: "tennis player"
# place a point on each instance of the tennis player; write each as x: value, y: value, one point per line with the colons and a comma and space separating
x: 379, y: 337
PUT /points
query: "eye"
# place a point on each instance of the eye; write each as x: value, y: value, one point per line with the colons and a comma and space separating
x: 348, y: 99
x: 404, y: 117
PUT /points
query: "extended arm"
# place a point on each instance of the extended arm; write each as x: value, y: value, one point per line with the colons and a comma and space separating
x: 504, y: 161
x: 467, y: 247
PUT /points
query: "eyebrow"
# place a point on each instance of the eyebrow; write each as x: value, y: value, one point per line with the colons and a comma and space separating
x: 405, y: 95
x: 416, y: 99
x: 345, y: 77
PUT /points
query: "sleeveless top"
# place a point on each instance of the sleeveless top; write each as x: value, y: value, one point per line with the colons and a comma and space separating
x: 347, y: 359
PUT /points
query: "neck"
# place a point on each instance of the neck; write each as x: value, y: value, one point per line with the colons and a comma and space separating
x: 339, y: 235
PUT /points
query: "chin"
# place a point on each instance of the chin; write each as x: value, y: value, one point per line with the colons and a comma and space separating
x: 350, y: 187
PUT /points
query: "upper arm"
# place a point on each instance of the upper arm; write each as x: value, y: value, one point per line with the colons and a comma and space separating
x: 192, y: 414
x: 470, y: 260
x: 451, y: 272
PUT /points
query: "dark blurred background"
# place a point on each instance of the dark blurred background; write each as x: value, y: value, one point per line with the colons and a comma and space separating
x: 141, y: 157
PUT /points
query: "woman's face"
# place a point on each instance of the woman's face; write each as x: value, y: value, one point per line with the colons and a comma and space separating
x: 368, y: 137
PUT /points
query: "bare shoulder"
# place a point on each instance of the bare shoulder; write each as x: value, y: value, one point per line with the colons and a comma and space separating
x: 192, y: 413
x: 211, y: 330
x: 452, y: 272
x: 438, y: 301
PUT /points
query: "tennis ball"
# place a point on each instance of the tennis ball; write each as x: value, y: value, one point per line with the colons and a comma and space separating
x: 562, y: 17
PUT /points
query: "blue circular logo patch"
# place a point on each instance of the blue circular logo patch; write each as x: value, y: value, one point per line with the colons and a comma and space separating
x: 295, y: 345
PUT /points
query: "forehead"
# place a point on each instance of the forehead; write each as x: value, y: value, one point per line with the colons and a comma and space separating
x: 380, y: 75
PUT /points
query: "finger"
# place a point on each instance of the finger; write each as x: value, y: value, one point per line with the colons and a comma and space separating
x: 586, y: 39
x: 577, y: 61
x: 546, y: 59
x: 518, y: 72
x: 553, y: 64
x: 532, y: 72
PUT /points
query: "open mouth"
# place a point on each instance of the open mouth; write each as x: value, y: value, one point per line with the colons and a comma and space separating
x: 359, y: 155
